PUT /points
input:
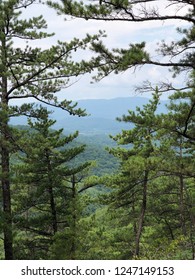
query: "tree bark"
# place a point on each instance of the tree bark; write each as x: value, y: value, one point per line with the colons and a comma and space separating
x: 74, y: 217
x: 5, y: 157
x: 51, y: 195
x: 5, y: 182
x: 181, y: 193
x: 7, y: 215
x: 142, y: 214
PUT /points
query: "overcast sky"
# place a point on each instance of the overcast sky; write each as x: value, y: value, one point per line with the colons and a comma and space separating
x: 119, y: 34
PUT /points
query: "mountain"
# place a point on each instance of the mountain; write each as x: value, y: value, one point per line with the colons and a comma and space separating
x: 102, y: 115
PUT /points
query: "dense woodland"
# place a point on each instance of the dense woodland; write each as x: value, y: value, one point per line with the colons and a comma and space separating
x: 129, y: 197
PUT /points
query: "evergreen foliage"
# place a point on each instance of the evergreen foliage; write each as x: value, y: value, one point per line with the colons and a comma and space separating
x: 45, y: 188
x: 53, y: 205
x: 178, y: 55
x: 30, y: 72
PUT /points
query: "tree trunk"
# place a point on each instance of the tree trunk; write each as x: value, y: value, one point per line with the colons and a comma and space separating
x: 74, y: 217
x: 51, y: 195
x: 7, y: 216
x: 142, y: 214
x: 53, y: 210
x: 5, y: 143
x: 181, y: 193
x: 182, y: 206
x: 5, y: 182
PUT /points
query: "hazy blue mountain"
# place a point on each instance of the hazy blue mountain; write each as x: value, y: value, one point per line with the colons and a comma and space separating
x: 102, y: 115
x: 111, y: 108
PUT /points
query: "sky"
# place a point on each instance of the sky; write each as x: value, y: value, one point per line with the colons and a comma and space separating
x: 119, y: 34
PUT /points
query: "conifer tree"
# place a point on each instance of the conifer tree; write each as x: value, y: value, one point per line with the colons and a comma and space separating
x: 177, y: 131
x: 30, y: 72
x: 155, y: 179
x: 178, y: 55
x: 138, y: 164
x: 42, y: 194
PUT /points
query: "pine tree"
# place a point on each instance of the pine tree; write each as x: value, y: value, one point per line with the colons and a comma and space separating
x: 30, y: 72
x: 178, y: 55
x: 177, y: 131
x: 42, y: 194
x: 138, y: 164
x: 154, y: 183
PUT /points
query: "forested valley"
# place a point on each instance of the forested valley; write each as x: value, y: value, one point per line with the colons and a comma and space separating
x: 125, y: 196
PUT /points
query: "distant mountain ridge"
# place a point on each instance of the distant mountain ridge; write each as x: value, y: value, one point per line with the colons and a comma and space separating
x: 102, y: 115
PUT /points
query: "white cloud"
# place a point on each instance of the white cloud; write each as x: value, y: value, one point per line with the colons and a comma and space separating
x: 120, y: 34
